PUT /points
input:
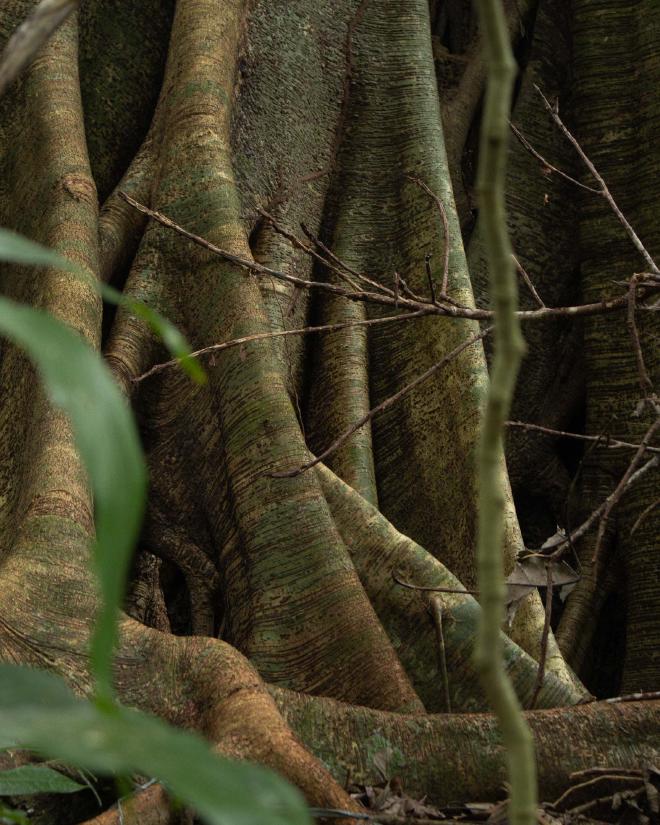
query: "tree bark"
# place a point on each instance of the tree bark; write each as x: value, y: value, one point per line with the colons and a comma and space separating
x: 321, y: 113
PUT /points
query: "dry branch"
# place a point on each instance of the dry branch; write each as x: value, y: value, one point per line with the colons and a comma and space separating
x: 384, y: 405
x: 445, y: 231
x: 600, y: 440
x: 614, y: 497
x: 528, y: 283
x: 263, y: 336
x: 383, y: 296
x: 603, y: 188
x: 559, y: 547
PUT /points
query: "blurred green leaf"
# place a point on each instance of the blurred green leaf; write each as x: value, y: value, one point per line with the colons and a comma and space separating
x: 170, y: 335
x: 10, y: 815
x: 30, y: 779
x: 78, y: 381
x: 37, y: 710
x: 17, y: 249
x: 30, y: 36
x: 126, y: 741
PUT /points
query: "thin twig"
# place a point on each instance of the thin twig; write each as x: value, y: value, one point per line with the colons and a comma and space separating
x: 445, y: 230
x: 560, y: 547
x: 450, y: 308
x: 463, y: 592
x: 298, y: 244
x: 605, y: 192
x: 572, y: 487
x: 644, y: 379
x: 342, y: 264
x: 634, y: 697
x: 408, y: 291
x: 600, y: 440
x: 429, y: 278
x: 581, y: 810
x: 528, y: 282
x: 436, y: 612
x: 388, y: 402
x: 546, y: 163
x: 262, y: 336
x: 586, y: 525
x: 540, y: 673
x: 618, y: 491
x: 645, y: 512
x: 593, y: 781
x: 411, y: 586
x: 606, y: 771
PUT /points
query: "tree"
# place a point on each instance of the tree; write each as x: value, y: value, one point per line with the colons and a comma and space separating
x: 238, y: 121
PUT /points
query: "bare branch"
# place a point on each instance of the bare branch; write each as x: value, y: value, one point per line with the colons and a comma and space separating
x: 618, y: 491
x: 634, y: 697
x: 436, y: 611
x: 448, y: 308
x: 445, y: 230
x: 528, y: 282
x: 643, y: 515
x: 341, y: 264
x: 422, y: 587
x: 262, y: 336
x: 645, y: 382
x: 429, y: 278
x: 298, y: 244
x: 630, y: 477
x: 388, y: 402
x: 546, y: 163
x: 600, y: 440
x: 604, y: 191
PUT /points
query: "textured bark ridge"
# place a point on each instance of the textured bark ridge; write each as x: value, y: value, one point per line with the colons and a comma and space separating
x: 319, y: 113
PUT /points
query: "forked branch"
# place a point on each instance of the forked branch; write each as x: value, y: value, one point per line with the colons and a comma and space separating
x: 384, y: 296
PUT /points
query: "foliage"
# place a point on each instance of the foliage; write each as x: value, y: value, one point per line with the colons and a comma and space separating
x: 29, y: 779
x: 37, y: 710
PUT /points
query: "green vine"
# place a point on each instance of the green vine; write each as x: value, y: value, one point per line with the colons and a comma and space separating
x: 508, y: 350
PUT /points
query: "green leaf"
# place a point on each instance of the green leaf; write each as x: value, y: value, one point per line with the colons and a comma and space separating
x: 127, y: 741
x: 30, y: 36
x: 19, y: 250
x: 78, y: 381
x: 29, y: 779
x: 173, y: 339
x: 10, y: 815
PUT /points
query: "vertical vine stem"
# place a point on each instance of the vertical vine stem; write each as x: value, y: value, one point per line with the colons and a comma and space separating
x: 508, y: 350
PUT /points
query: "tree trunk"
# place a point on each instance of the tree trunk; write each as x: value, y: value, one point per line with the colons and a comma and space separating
x: 321, y: 113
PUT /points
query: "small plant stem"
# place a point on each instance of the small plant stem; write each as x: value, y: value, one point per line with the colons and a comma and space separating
x: 508, y: 350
